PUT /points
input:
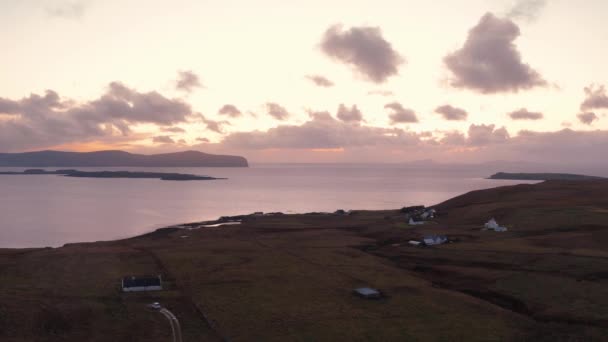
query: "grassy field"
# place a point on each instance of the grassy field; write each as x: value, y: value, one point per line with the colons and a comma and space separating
x: 290, y: 277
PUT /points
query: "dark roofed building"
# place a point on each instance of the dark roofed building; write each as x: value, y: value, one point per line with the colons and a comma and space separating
x: 141, y: 283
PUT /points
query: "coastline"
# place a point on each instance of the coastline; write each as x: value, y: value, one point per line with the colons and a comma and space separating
x: 87, y: 209
x: 296, y: 273
x: 147, y: 229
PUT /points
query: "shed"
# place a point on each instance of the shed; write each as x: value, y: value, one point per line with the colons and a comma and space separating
x: 367, y: 293
x: 142, y: 283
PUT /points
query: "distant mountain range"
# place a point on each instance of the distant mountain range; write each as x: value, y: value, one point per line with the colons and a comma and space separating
x: 119, y: 159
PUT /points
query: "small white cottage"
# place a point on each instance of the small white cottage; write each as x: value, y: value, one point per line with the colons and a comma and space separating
x: 493, y: 225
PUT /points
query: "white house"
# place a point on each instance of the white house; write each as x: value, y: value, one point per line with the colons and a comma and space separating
x: 493, y: 225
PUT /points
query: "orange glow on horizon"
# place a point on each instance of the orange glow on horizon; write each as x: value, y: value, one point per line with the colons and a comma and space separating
x: 463, y: 149
x: 90, y: 146
x: 329, y: 150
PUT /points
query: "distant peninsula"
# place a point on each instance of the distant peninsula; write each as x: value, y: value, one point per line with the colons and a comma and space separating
x: 113, y: 174
x: 542, y: 176
x: 119, y: 159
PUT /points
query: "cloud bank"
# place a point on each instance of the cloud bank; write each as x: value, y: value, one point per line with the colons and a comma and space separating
x: 364, y: 49
x: 48, y: 120
x: 277, y: 111
x: 320, y: 81
x: 587, y: 118
x: 214, y: 125
x: 230, y: 110
x: 451, y: 113
x: 321, y: 132
x: 480, y: 135
x: 173, y: 129
x: 596, y: 98
x: 326, y: 137
x: 489, y: 61
x: 527, y: 10
x: 187, y: 81
x: 352, y: 114
x: 398, y: 114
x: 163, y: 139
x: 524, y: 114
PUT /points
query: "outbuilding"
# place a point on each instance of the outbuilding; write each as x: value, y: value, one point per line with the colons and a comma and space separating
x: 142, y: 283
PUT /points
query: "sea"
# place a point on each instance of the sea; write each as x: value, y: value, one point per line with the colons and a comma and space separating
x: 52, y: 210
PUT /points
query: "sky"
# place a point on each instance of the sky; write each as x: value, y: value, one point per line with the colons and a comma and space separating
x: 314, y: 81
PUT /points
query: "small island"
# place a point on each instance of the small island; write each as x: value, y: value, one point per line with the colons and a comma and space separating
x: 542, y: 176
x: 113, y: 174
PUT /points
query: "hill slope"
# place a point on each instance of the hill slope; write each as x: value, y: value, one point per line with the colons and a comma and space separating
x: 119, y: 158
x: 542, y: 176
x: 290, y: 277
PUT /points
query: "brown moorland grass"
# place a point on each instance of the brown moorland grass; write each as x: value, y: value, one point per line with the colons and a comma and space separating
x: 290, y: 277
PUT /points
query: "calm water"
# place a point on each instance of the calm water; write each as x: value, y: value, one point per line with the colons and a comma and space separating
x: 48, y: 210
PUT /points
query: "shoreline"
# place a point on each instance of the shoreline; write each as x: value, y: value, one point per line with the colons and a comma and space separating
x: 300, y: 270
x: 157, y: 227
x: 161, y: 227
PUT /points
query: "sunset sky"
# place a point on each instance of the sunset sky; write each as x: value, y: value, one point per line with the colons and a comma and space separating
x: 314, y: 81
